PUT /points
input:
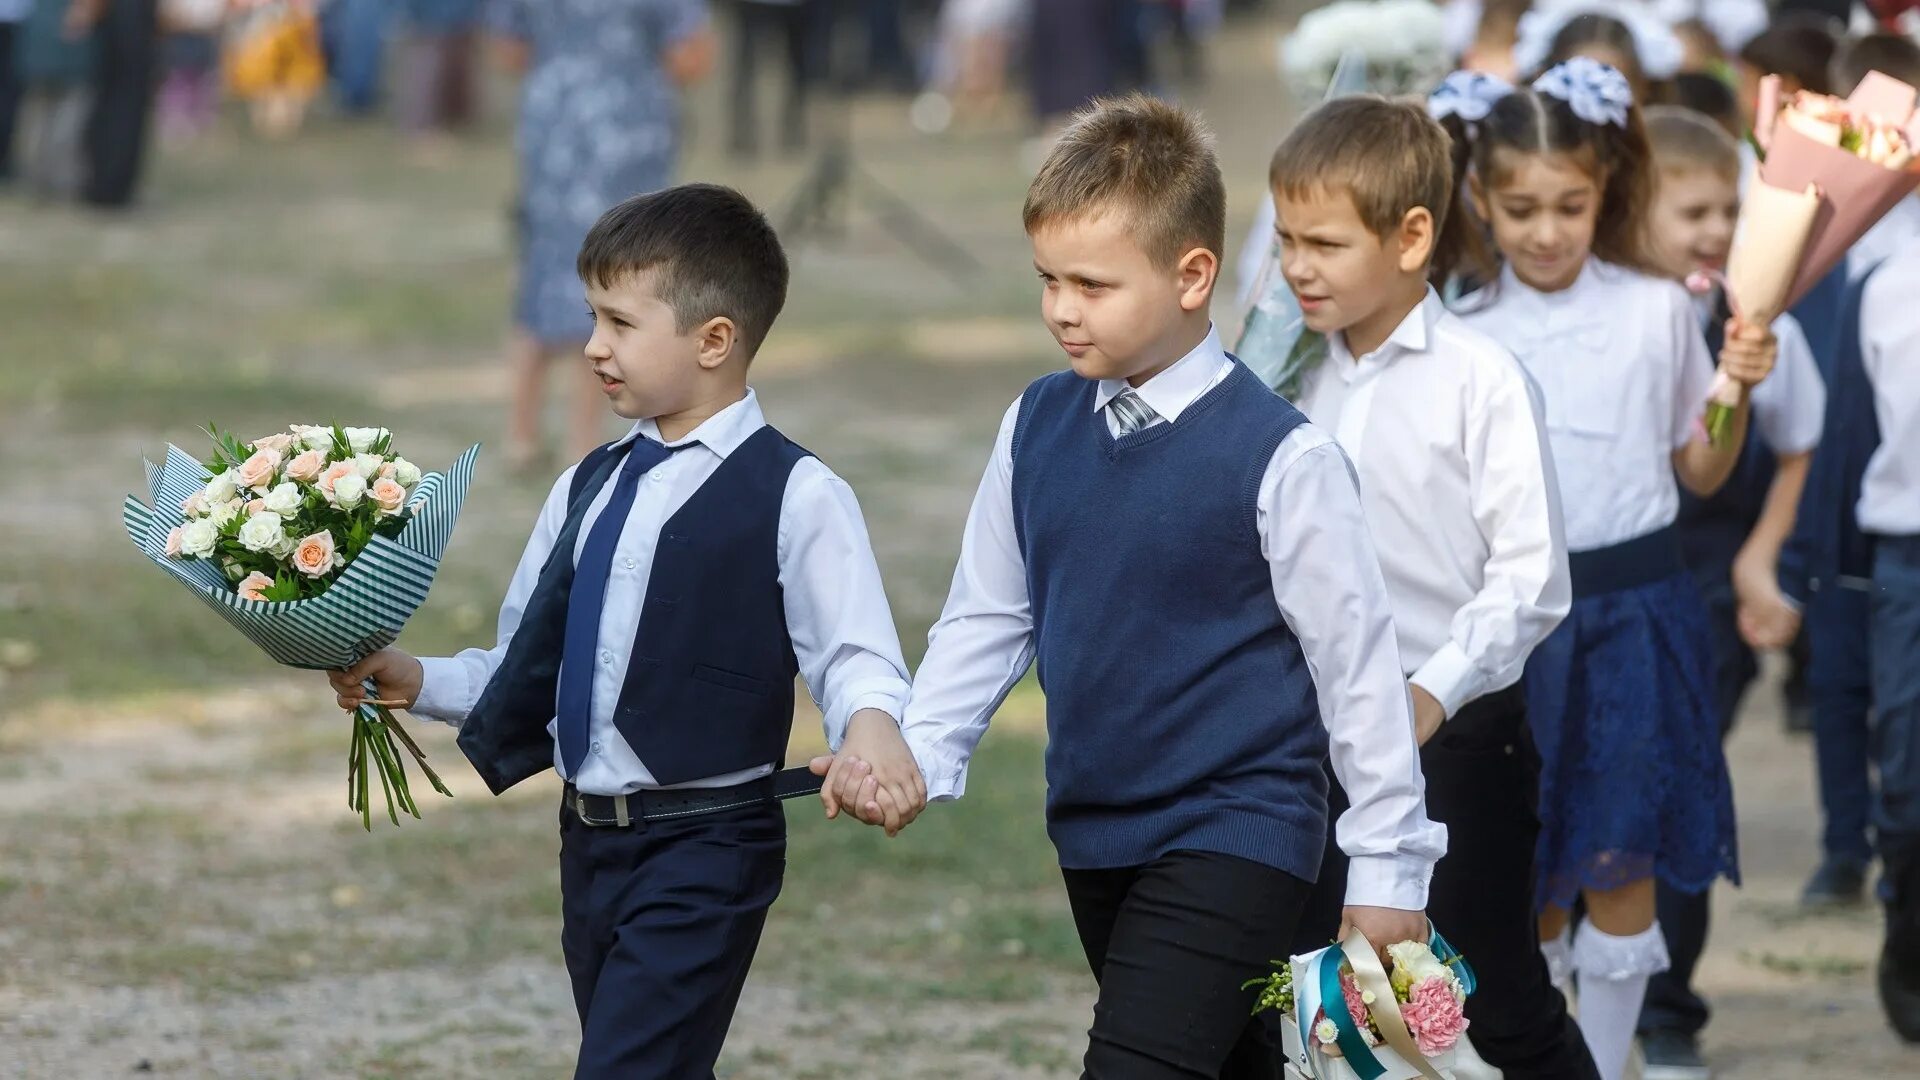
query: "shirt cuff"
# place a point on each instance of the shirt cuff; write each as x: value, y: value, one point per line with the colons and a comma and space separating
x: 1450, y: 677
x: 1389, y: 881
x: 887, y: 695
x: 443, y: 691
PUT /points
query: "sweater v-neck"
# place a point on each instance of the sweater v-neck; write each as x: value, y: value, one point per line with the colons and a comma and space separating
x: 1115, y: 446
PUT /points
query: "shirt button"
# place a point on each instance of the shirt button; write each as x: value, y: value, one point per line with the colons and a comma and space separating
x: 596, y: 747
x: 606, y: 657
x: 657, y: 475
x: 631, y: 564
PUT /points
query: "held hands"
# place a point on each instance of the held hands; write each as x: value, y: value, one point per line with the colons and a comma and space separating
x: 1383, y: 926
x: 1766, y: 619
x: 874, y: 777
x: 1428, y: 714
x: 396, y: 678
x: 1748, y: 353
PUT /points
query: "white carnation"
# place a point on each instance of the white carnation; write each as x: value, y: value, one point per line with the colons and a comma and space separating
x: 348, y: 491
x: 1414, y: 962
x: 197, y: 537
x: 361, y: 439
x: 262, y: 531
x: 221, y: 488
x: 285, y: 499
x: 368, y: 465
x: 405, y: 473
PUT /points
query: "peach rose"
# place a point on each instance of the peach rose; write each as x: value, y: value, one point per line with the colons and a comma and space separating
x: 279, y: 444
x: 254, y: 506
x: 194, y: 505
x: 306, y: 466
x: 257, y: 471
x: 254, y: 586
x: 386, y: 470
x: 173, y: 543
x: 387, y: 495
x: 314, y: 556
x: 334, y: 472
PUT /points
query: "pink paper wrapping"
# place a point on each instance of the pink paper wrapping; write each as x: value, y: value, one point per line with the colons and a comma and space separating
x: 1767, y: 250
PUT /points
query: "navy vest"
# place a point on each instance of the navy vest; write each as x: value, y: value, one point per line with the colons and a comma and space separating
x: 709, y: 686
x: 1180, y: 711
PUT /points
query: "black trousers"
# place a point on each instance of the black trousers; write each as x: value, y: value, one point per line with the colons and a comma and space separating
x: 123, y: 84
x: 792, y: 25
x: 659, y: 926
x: 1483, y: 779
x: 10, y: 90
x: 1170, y: 944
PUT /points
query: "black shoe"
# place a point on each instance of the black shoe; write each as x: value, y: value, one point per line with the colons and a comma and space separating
x: 1838, y: 882
x: 1671, y: 1055
x: 1900, y: 955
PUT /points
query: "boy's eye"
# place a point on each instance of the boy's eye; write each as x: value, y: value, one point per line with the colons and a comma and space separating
x: 1093, y: 286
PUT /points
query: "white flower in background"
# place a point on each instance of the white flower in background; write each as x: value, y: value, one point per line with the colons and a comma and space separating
x: 367, y: 465
x: 220, y: 489
x: 197, y: 537
x: 1402, y: 42
x: 361, y: 439
x: 1413, y: 963
x: 348, y: 490
x: 262, y: 531
x: 284, y: 499
x: 405, y: 473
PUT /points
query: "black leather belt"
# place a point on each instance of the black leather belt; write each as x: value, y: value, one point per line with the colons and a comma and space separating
x: 659, y: 805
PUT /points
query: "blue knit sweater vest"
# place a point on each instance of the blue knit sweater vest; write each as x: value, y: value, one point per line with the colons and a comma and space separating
x: 1180, y: 711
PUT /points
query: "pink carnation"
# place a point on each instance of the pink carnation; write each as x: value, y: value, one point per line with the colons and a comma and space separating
x: 1356, y: 1008
x: 1435, y: 1016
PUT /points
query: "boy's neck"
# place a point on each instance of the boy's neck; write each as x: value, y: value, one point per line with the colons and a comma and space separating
x: 676, y: 426
x: 1371, y: 332
x: 1193, y: 330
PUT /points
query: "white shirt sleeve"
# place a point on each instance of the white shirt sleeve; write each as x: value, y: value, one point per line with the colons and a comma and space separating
x: 451, y: 685
x: 982, y: 644
x: 1526, y: 590
x: 837, y: 612
x: 1694, y: 371
x: 1790, y: 405
x: 1327, y: 582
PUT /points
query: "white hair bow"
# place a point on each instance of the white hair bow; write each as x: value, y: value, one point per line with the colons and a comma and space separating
x: 1469, y: 95
x: 1595, y: 92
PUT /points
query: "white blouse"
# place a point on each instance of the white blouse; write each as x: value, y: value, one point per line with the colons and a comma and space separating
x: 1624, y: 371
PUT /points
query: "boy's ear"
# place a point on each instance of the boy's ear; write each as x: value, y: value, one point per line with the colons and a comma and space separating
x: 717, y: 340
x: 1417, y: 240
x: 1198, y: 269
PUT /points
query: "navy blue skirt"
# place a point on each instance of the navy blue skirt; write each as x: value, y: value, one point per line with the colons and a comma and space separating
x: 1633, y: 781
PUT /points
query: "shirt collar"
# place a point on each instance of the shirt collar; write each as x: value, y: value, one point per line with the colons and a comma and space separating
x: 1592, y: 274
x: 1179, y: 386
x: 1411, y: 336
x: 722, y: 433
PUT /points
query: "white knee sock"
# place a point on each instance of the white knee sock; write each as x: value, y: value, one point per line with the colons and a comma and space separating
x: 1613, y: 984
x: 1559, y: 954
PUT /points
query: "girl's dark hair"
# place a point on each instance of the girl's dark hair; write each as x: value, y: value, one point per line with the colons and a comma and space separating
x: 1462, y: 250
x: 1608, y: 33
x: 1529, y: 122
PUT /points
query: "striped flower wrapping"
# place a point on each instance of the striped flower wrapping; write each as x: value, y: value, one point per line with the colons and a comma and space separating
x: 360, y: 612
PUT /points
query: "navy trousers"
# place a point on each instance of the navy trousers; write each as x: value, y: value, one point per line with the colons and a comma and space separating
x: 1483, y: 784
x: 1839, y: 687
x: 660, y: 923
x: 1896, y: 689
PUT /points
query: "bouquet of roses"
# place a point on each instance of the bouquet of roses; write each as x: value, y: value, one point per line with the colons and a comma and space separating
x: 1831, y: 168
x: 1350, y: 1017
x: 317, y: 543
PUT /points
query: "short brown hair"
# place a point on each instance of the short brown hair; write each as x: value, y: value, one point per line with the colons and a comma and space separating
x: 715, y: 253
x: 1141, y: 157
x: 1683, y: 139
x: 1388, y: 156
x: 1889, y: 54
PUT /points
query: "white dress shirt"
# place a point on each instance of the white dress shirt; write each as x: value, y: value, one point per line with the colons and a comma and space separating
x: 1890, y: 350
x: 1885, y: 238
x: 1458, y: 486
x: 837, y: 613
x: 1623, y: 370
x: 1326, y: 582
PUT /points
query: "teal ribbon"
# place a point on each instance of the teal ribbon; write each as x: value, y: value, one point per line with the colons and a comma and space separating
x: 1450, y: 956
x: 1346, y: 1026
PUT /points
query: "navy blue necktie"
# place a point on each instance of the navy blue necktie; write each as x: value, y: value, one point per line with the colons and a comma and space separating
x: 584, y: 601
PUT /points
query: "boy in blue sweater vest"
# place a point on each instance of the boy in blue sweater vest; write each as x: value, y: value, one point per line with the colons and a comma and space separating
x: 676, y: 582
x: 1444, y: 428
x: 1187, y: 560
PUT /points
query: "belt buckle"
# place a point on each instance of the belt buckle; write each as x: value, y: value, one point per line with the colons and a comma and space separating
x: 580, y: 808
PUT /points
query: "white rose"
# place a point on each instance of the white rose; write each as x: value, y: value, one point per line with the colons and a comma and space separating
x: 225, y: 512
x: 284, y: 549
x: 221, y: 488
x: 197, y: 537
x: 262, y: 531
x: 313, y: 437
x: 405, y: 473
x: 368, y: 465
x: 285, y: 499
x: 348, y: 491
x: 361, y: 439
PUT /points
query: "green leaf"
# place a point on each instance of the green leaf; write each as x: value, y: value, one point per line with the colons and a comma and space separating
x: 341, y: 447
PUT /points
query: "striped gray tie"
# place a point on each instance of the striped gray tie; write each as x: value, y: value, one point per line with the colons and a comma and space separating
x: 1132, y: 412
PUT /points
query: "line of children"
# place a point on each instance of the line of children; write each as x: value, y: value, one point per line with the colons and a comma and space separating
x: 1445, y: 432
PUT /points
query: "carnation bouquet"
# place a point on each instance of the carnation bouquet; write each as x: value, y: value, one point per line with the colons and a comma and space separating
x: 317, y: 543
x: 1830, y: 169
x: 1348, y: 1017
x: 1404, y: 43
